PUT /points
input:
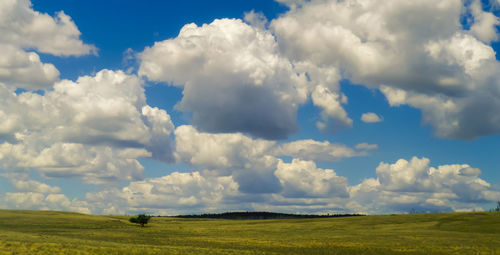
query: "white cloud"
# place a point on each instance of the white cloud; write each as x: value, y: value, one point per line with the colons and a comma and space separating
x: 30, y: 29
x: 40, y: 201
x: 400, y: 187
x: 330, y: 101
x: 39, y: 196
x: 251, y: 162
x: 233, y: 77
x: 390, y: 44
x: 24, y: 69
x: 218, y: 150
x: 248, y: 160
x: 256, y: 19
x: 95, y: 164
x: 171, y: 194
x: 403, y: 186
x: 315, y: 150
x: 302, y: 179
x: 95, y: 128
x: 160, y: 126
x: 34, y: 186
x: 181, y: 193
x: 407, y: 185
x: 23, y: 30
x: 370, y: 117
x: 485, y: 23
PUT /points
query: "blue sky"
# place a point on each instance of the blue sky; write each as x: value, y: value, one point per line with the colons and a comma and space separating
x: 257, y: 105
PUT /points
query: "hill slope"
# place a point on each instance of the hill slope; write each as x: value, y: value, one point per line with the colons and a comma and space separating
x: 41, y: 232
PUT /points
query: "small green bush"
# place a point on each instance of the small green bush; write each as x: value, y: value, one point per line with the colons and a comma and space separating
x: 141, y: 219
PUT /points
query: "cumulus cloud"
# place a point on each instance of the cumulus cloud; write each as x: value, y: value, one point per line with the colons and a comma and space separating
x: 218, y: 150
x: 171, y: 194
x: 302, y: 179
x: 95, y: 164
x: 326, y: 95
x: 403, y: 186
x: 23, y: 30
x: 29, y: 29
x: 24, y: 69
x: 251, y: 162
x: 370, y: 117
x: 485, y: 23
x: 331, y: 103
x: 316, y: 150
x: 233, y: 77
x: 390, y: 44
x: 248, y: 160
x: 414, y: 185
x: 256, y: 19
x: 38, y: 196
x: 40, y: 201
x: 34, y: 186
x: 180, y: 193
x: 95, y: 128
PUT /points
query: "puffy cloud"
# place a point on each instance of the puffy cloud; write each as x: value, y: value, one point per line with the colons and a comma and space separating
x: 485, y: 23
x: 330, y: 101
x: 25, y: 29
x: 95, y: 127
x: 403, y: 186
x: 40, y: 201
x: 390, y: 44
x: 414, y: 185
x: 160, y: 127
x: 218, y: 150
x: 248, y: 160
x: 251, y: 162
x: 24, y: 69
x: 323, y: 82
x: 370, y: 117
x: 233, y: 77
x: 463, y: 118
x: 29, y: 29
x: 256, y: 19
x: 233, y: 74
x: 38, y: 196
x: 317, y: 151
x: 95, y: 164
x: 400, y: 187
x: 302, y: 179
x: 181, y: 193
x: 34, y: 186
x: 171, y: 194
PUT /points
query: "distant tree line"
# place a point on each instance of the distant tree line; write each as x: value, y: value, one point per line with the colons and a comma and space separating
x: 262, y: 216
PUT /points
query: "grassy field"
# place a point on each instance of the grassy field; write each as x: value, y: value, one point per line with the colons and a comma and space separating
x: 42, y: 232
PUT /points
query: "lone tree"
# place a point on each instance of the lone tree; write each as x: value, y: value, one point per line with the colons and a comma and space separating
x: 140, y: 219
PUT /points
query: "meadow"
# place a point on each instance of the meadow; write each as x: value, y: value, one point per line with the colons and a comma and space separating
x: 46, y: 232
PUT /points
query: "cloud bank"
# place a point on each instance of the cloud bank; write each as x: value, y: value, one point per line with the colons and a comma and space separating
x: 242, y: 86
x: 417, y: 53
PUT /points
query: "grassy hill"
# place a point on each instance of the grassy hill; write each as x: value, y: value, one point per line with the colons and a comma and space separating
x: 42, y: 232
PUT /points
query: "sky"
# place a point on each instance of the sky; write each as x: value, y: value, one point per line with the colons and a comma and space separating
x: 182, y: 107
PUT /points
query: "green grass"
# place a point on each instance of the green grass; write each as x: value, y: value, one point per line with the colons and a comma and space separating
x: 42, y: 232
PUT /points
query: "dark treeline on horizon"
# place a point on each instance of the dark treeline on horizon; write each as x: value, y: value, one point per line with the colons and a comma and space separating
x: 262, y: 216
